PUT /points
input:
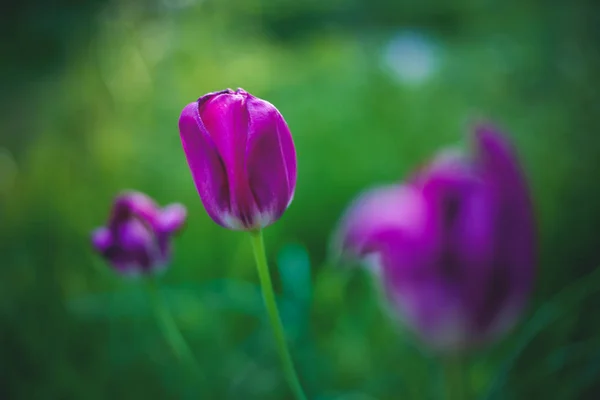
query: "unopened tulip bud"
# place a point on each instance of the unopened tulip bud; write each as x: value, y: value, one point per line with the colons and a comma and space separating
x: 242, y: 158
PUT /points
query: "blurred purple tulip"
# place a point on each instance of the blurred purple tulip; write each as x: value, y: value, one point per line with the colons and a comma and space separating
x: 455, y: 246
x: 242, y: 158
x: 136, y: 239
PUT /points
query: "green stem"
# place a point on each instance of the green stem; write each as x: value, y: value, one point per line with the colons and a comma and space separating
x: 170, y: 330
x: 269, y: 299
x: 455, y: 378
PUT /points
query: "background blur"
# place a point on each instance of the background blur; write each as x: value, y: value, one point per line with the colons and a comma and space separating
x: 90, y: 96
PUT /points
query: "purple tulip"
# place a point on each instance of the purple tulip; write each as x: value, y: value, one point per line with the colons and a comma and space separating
x: 242, y: 158
x: 455, y: 246
x: 136, y: 240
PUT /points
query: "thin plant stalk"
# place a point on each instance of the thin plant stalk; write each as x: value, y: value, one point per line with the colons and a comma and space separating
x: 269, y: 299
x: 170, y: 330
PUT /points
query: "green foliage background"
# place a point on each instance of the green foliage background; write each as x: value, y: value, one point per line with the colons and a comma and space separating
x: 90, y: 102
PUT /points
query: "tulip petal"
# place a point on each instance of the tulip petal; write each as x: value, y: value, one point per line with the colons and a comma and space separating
x: 514, y: 256
x: 101, y: 239
x: 208, y: 171
x: 271, y: 160
x: 137, y: 243
x: 225, y: 118
x: 131, y: 203
x: 377, y: 212
x: 172, y: 218
x: 463, y: 213
x: 500, y: 165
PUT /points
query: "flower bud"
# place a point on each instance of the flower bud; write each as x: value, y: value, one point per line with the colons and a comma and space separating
x: 242, y: 158
x: 455, y: 245
x: 136, y: 239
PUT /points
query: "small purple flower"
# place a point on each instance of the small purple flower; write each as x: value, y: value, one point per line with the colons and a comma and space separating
x: 242, y: 158
x: 136, y: 240
x: 455, y: 246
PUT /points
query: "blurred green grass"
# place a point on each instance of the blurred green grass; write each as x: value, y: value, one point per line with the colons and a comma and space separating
x: 107, y: 120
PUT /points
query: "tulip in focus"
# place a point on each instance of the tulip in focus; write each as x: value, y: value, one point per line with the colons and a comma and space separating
x: 136, y: 239
x: 455, y: 246
x: 242, y: 158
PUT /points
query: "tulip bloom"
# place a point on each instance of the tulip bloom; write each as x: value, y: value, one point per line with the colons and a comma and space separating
x: 136, y: 240
x: 242, y: 158
x: 455, y: 246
